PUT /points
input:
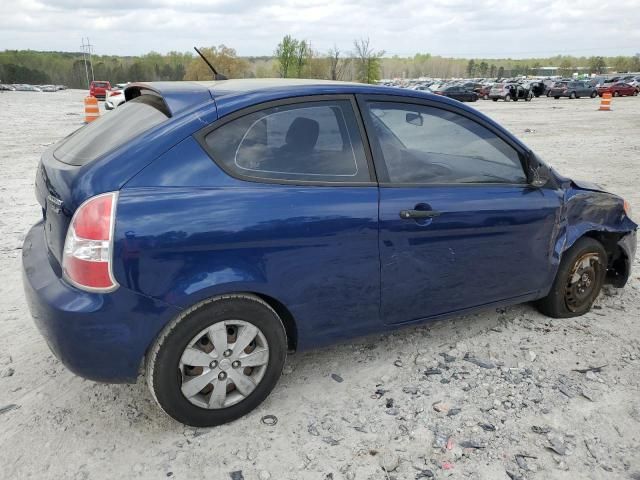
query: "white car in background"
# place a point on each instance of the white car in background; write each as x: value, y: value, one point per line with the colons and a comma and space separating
x: 115, y: 96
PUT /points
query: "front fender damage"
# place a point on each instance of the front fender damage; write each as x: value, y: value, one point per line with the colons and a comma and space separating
x: 590, y: 211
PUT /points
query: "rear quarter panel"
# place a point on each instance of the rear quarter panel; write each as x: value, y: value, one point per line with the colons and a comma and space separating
x: 185, y: 231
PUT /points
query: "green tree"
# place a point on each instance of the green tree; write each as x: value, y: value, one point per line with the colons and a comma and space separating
x: 536, y: 68
x: 492, y: 70
x: 223, y: 58
x: 597, y: 65
x: 471, y: 68
x: 501, y: 72
x: 483, y: 69
x: 565, y: 69
x: 286, y: 55
x: 620, y: 64
x: 367, y: 61
x: 302, y: 57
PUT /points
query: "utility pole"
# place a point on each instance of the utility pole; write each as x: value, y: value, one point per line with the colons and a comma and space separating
x: 84, y: 58
x: 86, y: 52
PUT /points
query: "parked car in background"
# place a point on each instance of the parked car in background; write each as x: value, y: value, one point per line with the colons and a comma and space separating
x: 635, y: 82
x: 115, y: 96
x: 574, y: 89
x: 458, y: 92
x: 48, y: 88
x: 509, y: 92
x: 204, y: 230
x: 483, y: 91
x: 26, y: 88
x: 99, y: 88
x: 618, y: 89
x: 538, y: 88
x: 8, y: 88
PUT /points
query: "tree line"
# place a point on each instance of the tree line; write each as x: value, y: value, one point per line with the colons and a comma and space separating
x: 291, y: 58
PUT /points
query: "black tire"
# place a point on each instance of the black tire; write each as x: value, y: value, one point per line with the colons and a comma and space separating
x: 486, y: 97
x: 572, y: 96
x: 162, y: 368
x: 635, y: 93
x: 616, y: 94
x: 556, y: 98
x: 594, y: 94
x: 507, y: 98
x: 564, y: 300
x: 494, y: 99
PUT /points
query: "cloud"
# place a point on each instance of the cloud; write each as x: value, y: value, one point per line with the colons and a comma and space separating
x: 487, y: 28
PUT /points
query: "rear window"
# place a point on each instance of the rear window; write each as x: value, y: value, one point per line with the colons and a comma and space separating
x: 112, y: 130
x: 100, y: 84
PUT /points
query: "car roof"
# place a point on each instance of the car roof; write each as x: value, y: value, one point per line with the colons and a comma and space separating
x: 231, y: 95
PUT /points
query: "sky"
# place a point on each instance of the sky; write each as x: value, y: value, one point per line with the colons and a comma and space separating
x: 458, y: 28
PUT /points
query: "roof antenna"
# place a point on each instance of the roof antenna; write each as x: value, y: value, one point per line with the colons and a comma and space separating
x: 216, y: 75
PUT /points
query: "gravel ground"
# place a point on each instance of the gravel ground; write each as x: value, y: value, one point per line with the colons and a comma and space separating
x: 405, y: 405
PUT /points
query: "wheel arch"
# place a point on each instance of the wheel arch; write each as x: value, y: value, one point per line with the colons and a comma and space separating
x: 283, y: 312
x: 619, y: 257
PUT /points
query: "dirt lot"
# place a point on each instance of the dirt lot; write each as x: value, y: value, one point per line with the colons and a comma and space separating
x: 349, y: 411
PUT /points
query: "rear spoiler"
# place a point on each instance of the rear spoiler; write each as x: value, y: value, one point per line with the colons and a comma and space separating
x: 177, y: 96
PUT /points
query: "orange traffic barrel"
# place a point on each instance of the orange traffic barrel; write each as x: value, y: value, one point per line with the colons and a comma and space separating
x: 605, y: 102
x: 91, y: 110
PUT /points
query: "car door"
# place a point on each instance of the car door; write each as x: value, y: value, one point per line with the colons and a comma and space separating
x: 584, y: 89
x: 459, y: 225
x: 306, y: 214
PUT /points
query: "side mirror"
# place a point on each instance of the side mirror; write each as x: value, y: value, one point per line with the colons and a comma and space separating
x: 414, y: 119
x: 539, y: 174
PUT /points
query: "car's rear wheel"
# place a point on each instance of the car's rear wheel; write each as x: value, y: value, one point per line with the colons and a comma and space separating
x: 572, y: 96
x: 507, y: 98
x: 635, y: 93
x: 594, y: 94
x: 616, y: 94
x: 578, y: 282
x: 556, y: 98
x: 218, y: 361
x: 486, y: 97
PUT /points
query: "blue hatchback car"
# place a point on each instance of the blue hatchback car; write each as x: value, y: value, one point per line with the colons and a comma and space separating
x: 203, y: 230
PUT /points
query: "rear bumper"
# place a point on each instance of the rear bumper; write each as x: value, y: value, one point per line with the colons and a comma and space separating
x: 102, y: 337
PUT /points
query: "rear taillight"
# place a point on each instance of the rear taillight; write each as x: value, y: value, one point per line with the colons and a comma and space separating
x: 88, y: 248
x: 113, y: 94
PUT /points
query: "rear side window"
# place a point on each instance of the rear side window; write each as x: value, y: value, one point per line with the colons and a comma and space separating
x: 314, y: 141
x: 112, y: 130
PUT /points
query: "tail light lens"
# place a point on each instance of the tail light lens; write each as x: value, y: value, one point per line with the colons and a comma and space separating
x: 88, y: 247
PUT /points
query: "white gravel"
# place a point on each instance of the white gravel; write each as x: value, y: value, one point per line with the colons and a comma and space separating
x: 68, y: 428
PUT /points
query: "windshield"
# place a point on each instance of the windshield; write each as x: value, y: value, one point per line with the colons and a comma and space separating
x: 112, y: 130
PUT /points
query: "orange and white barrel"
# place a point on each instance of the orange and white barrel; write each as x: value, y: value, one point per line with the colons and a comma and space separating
x: 605, y: 102
x: 91, y: 109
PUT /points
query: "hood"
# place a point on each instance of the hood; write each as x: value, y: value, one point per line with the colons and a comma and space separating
x: 593, y: 187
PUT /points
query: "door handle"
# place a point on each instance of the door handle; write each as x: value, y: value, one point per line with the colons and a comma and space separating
x: 409, y: 214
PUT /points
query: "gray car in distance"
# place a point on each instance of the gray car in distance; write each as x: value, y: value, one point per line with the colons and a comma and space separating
x: 575, y: 89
